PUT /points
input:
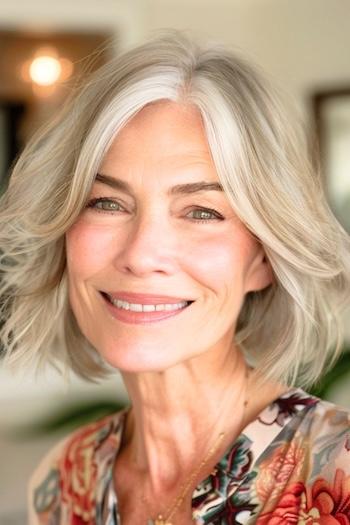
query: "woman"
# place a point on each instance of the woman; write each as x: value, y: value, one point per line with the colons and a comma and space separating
x: 169, y: 225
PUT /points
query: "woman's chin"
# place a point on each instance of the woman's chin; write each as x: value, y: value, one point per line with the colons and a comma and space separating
x: 139, y: 362
x: 127, y: 355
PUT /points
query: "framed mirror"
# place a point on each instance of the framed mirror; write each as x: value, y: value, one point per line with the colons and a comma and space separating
x: 332, y: 118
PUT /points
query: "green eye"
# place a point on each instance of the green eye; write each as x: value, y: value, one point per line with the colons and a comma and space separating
x: 104, y: 204
x: 202, y: 214
x: 205, y: 215
x: 107, y: 205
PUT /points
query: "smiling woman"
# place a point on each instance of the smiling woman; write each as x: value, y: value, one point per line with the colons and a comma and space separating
x: 183, y: 238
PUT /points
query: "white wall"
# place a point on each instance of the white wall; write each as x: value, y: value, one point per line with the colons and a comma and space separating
x: 119, y: 16
x: 303, y: 43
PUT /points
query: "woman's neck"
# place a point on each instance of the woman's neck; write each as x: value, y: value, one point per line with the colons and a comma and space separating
x: 178, y: 414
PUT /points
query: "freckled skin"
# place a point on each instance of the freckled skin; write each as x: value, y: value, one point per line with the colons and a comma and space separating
x: 153, y: 245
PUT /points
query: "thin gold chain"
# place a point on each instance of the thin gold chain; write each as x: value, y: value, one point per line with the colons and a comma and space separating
x: 188, y: 484
x: 165, y: 521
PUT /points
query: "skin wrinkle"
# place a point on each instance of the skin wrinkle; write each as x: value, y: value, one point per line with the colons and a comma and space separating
x: 184, y: 376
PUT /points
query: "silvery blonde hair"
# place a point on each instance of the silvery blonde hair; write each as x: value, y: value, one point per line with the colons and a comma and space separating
x: 291, y: 330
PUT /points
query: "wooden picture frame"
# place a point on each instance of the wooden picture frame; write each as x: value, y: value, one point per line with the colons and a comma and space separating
x: 332, y: 119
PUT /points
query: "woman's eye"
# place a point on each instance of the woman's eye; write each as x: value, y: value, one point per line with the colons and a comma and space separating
x: 205, y: 215
x: 104, y: 204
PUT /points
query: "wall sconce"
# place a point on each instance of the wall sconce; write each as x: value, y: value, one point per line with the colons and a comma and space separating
x: 46, y: 69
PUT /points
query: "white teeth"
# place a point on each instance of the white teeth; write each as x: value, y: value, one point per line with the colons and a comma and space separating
x: 146, y: 307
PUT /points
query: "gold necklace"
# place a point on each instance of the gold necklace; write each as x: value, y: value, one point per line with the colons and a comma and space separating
x: 160, y: 520
x: 165, y: 521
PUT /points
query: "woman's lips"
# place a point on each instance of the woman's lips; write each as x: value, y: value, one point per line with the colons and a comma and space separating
x: 128, y: 316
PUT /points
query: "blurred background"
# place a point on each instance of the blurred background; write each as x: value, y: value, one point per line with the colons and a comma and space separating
x: 45, y: 46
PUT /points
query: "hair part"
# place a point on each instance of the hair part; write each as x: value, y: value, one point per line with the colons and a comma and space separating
x: 292, y: 330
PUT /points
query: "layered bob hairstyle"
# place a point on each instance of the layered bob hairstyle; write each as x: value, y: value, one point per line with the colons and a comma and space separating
x: 292, y: 329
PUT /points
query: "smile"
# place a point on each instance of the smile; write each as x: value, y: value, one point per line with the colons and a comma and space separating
x: 136, y: 307
x: 135, y: 313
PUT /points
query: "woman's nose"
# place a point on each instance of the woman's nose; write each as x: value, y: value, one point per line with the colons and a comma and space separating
x: 151, y: 245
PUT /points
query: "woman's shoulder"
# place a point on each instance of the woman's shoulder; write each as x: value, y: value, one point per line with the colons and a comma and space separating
x: 298, y: 426
x: 306, y: 468
x: 328, y: 431
x: 321, y: 415
x: 68, y: 473
x: 313, y: 420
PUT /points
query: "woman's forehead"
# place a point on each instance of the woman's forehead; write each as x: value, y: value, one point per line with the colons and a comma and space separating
x: 163, y: 130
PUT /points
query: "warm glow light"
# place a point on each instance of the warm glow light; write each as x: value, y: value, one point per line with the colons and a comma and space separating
x: 45, y: 70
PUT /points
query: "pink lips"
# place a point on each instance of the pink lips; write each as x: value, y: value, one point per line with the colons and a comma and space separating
x: 130, y: 317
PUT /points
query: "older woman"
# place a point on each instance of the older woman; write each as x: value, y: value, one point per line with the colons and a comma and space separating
x: 170, y: 225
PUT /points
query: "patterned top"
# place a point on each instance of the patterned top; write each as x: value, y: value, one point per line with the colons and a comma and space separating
x: 291, y: 465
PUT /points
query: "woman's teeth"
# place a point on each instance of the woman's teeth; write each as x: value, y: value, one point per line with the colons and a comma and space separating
x: 134, y: 307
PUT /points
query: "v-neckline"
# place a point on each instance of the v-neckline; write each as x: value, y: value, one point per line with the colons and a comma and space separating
x: 267, y: 424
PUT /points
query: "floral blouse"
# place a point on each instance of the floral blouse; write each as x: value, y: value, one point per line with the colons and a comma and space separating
x: 291, y: 465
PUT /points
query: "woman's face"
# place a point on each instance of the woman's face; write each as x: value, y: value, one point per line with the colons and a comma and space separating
x: 144, y: 232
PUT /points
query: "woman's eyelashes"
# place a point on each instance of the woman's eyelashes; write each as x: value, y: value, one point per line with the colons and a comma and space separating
x: 112, y: 206
x: 104, y: 204
x: 206, y: 212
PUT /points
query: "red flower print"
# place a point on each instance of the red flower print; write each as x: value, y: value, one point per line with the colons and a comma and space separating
x: 321, y: 504
x: 78, y: 473
x: 284, y: 466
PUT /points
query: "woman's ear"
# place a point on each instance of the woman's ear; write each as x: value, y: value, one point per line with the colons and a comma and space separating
x: 260, y: 274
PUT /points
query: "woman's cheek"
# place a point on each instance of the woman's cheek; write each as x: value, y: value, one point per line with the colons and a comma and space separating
x: 215, y: 259
x: 89, y: 247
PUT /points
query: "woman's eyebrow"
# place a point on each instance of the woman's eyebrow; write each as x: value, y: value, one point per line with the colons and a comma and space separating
x: 192, y: 187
